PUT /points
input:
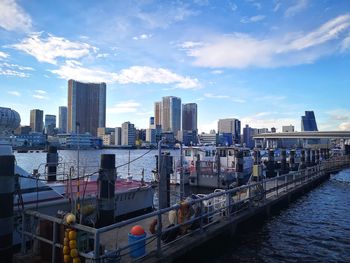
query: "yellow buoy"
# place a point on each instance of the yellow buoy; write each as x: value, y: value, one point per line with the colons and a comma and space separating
x: 74, y: 253
x: 72, y: 235
x: 76, y: 260
x: 73, y: 244
x: 66, y: 241
x: 66, y: 250
x: 70, y: 218
x: 66, y: 258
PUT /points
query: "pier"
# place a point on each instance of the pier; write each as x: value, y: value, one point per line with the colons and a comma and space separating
x: 221, y: 212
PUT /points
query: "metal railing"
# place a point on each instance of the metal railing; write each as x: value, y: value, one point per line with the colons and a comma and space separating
x: 207, y: 210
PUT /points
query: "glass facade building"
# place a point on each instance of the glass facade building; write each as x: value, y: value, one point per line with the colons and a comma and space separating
x: 308, y: 122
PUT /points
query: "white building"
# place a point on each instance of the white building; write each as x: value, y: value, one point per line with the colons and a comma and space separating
x: 128, y: 134
x: 289, y: 128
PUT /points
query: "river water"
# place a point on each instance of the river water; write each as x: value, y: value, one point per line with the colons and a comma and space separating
x: 314, y: 228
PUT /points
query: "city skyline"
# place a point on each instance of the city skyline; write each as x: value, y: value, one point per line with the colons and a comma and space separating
x: 262, y: 62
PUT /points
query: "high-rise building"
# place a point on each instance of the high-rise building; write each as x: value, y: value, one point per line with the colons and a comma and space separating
x: 86, y: 106
x: 171, y: 114
x: 158, y: 113
x: 36, y: 120
x: 189, y: 117
x: 230, y: 125
x: 50, y: 124
x: 62, y: 119
x: 248, y: 133
x: 118, y: 136
x: 128, y: 134
x: 308, y: 122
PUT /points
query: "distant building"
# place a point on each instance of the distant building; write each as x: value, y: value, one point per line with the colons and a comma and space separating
x: 36, y: 120
x: 188, y: 137
x: 118, y: 136
x: 141, y: 135
x: 208, y: 138
x: 50, y: 124
x: 189, y: 117
x: 128, y: 134
x: 171, y: 114
x: 262, y: 130
x: 273, y: 129
x: 248, y: 133
x: 289, y: 128
x: 82, y: 141
x: 158, y: 113
x: 23, y: 130
x: 107, y: 135
x: 308, y: 122
x: 62, y: 119
x: 33, y: 139
x: 86, y: 106
x: 230, y: 125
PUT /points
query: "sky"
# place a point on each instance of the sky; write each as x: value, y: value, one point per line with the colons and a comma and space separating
x: 263, y: 62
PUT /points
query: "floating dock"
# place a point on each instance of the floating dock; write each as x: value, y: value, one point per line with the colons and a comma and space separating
x: 218, y: 213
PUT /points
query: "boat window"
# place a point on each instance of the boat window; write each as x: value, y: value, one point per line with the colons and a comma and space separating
x: 213, y: 152
x: 222, y: 153
x: 207, y: 153
x: 230, y: 153
x: 187, y: 153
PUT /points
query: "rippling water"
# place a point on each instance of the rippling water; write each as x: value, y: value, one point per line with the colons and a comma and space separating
x: 314, y: 228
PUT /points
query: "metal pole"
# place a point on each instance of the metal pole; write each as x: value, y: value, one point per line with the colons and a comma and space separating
x: 7, y: 189
x: 182, y: 180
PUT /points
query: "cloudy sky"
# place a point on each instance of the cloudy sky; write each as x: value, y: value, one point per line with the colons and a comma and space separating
x: 264, y: 62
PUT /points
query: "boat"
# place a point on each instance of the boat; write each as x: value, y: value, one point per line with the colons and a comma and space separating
x: 217, y: 167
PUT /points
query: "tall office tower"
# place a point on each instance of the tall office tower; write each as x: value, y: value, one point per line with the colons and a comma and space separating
x: 86, y: 106
x: 36, y: 120
x: 248, y: 133
x: 118, y: 136
x: 171, y: 114
x: 189, y: 117
x: 158, y: 113
x: 50, y: 124
x: 308, y: 122
x: 62, y: 119
x: 128, y: 134
x: 230, y: 125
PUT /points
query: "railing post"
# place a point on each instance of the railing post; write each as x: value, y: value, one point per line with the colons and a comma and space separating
x: 23, y: 243
x: 286, y: 181
x: 97, y: 247
x: 228, y: 209
x: 276, y: 187
x: 54, y: 240
x: 159, y: 235
x: 201, y: 219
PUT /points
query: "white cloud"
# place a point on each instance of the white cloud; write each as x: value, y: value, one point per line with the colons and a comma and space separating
x: 9, y: 69
x: 277, y: 6
x: 14, y: 73
x: 232, y: 6
x: 345, y: 44
x: 242, y: 50
x: 124, y: 107
x: 299, y: 6
x: 40, y: 91
x: 217, y: 72
x: 165, y: 15
x: 135, y: 74
x: 40, y: 94
x: 142, y: 37
x: 51, y: 48
x: 13, y: 17
x: 3, y: 55
x: 214, y: 96
x: 344, y: 126
x: 252, y: 19
x: 14, y: 93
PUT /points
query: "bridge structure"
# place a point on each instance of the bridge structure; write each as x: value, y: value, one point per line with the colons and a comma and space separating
x: 306, y: 139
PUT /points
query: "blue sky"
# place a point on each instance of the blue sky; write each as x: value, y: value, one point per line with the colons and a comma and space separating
x: 264, y: 62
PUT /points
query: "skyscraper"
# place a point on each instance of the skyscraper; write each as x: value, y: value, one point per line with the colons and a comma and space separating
x: 62, y: 119
x: 189, y: 117
x: 248, y: 133
x: 86, y: 106
x: 50, y: 124
x: 128, y: 134
x: 171, y: 114
x: 36, y: 120
x: 230, y: 125
x: 308, y: 122
x: 158, y: 113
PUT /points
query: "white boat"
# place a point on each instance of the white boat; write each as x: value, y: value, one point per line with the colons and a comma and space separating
x: 217, y: 167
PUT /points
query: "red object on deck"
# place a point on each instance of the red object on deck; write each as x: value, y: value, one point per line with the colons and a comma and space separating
x: 137, y: 230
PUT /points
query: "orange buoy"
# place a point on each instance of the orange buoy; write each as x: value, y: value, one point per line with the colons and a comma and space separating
x: 137, y: 230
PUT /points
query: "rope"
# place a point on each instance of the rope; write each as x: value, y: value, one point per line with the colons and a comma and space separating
x: 134, y: 159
